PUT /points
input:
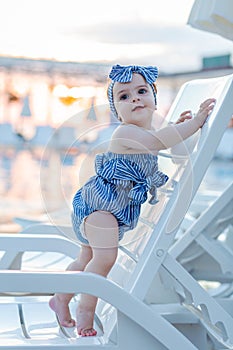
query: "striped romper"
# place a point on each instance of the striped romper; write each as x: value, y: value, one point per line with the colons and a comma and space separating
x: 120, y: 186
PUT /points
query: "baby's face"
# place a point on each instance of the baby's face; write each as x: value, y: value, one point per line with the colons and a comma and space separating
x: 134, y: 101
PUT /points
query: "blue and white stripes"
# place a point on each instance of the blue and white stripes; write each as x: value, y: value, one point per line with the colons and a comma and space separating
x: 120, y: 187
x: 124, y: 74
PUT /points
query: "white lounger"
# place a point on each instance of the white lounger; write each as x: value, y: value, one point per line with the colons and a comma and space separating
x: 206, y: 248
x: 149, y: 301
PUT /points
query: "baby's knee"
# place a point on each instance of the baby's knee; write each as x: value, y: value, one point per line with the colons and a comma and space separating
x: 110, y: 256
x: 105, y: 258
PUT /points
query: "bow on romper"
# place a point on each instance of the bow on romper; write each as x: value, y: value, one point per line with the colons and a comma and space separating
x: 120, y: 187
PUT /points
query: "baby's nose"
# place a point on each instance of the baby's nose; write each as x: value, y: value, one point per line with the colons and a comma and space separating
x: 135, y: 98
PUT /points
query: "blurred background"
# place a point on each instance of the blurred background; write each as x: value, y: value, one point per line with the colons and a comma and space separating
x: 54, y: 61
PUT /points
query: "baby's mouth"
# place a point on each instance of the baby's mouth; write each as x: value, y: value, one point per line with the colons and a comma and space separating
x: 137, y: 108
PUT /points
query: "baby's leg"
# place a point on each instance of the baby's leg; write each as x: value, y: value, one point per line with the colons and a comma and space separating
x: 59, y: 302
x: 101, y: 229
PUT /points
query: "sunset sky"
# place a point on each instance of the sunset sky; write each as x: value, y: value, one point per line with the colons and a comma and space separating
x: 144, y: 32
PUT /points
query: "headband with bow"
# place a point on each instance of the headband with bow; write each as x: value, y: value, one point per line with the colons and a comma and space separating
x: 124, y: 74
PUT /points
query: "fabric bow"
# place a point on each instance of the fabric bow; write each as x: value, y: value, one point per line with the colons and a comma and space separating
x: 122, y: 171
x: 124, y: 74
x: 138, y: 193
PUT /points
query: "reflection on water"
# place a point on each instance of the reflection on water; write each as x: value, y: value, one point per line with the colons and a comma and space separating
x: 19, y: 184
x: 39, y: 177
x: 34, y: 183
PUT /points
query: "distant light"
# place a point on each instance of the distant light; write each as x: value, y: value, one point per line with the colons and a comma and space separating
x: 60, y: 90
x: 86, y: 91
x: 75, y: 92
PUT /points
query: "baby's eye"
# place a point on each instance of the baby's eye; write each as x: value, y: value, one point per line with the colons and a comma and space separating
x: 142, y: 91
x: 124, y: 97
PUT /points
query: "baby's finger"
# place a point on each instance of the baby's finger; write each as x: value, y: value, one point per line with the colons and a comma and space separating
x: 185, y: 113
x: 207, y: 102
x: 210, y: 108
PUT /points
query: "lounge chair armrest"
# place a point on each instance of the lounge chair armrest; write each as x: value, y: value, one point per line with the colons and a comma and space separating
x: 39, y: 243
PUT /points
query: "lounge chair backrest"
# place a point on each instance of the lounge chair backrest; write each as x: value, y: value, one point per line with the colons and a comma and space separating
x: 186, y: 171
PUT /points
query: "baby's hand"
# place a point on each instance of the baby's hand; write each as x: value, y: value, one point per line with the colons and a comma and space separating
x: 205, y: 109
x: 184, y: 116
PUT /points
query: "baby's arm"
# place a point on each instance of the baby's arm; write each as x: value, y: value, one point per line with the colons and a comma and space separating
x: 132, y: 138
x: 175, y: 133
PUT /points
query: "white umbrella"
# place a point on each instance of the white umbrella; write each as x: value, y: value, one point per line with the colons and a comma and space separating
x: 213, y: 16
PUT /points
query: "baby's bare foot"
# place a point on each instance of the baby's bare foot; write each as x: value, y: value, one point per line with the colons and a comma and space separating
x: 62, y: 311
x: 84, y: 322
